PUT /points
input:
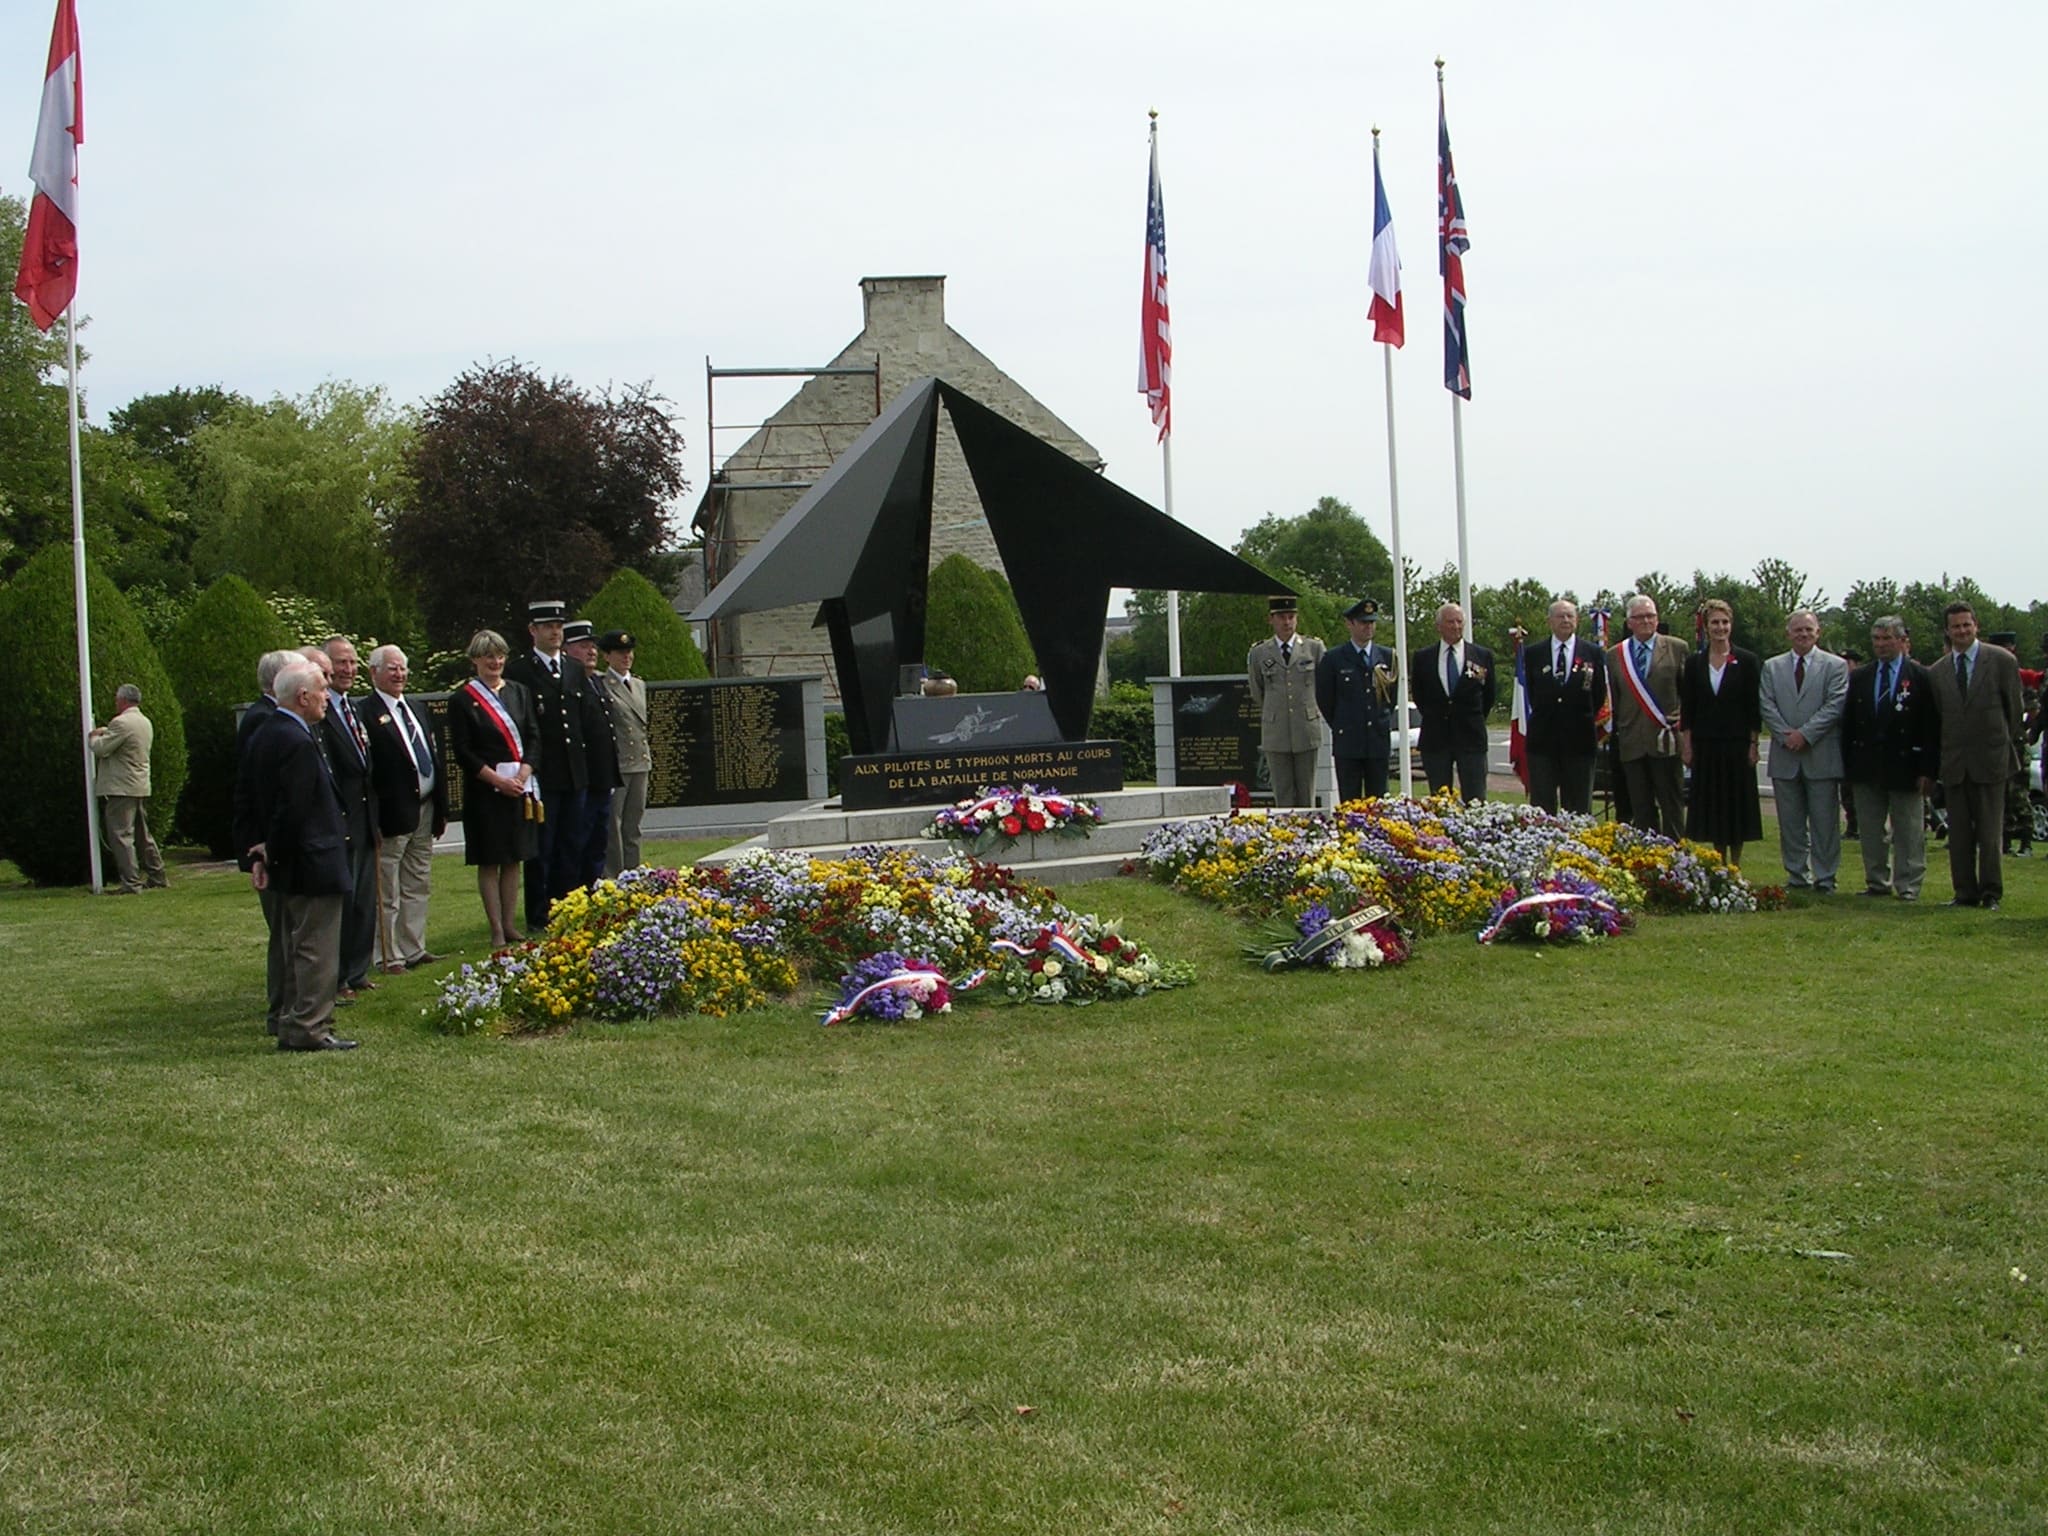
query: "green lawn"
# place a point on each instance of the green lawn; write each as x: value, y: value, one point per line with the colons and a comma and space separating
x: 1713, y: 1228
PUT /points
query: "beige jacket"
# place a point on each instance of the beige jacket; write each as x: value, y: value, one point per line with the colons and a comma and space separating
x: 1285, y: 691
x: 629, y: 720
x: 122, y: 747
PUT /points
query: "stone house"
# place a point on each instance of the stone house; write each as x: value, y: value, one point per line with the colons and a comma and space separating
x: 904, y: 337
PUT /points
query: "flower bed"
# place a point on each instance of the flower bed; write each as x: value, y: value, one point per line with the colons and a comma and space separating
x: 665, y: 941
x: 1442, y: 865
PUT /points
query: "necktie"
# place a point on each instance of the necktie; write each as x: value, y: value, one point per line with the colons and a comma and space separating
x: 1884, y: 682
x: 1798, y: 672
x: 420, y: 757
x: 1450, y: 671
x: 1286, y: 652
x: 554, y: 669
x: 1641, y: 651
x: 1560, y: 663
x: 1962, y: 674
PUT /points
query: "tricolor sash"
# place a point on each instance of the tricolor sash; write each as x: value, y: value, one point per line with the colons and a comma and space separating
x: 1638, y: 685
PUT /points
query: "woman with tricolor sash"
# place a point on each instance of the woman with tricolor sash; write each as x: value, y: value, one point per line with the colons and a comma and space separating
x: 493, y: 732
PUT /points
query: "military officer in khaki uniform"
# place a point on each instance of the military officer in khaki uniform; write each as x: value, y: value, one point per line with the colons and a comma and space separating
x: 121, y: 780
x: 1282, y: 674
x: 628, y: 697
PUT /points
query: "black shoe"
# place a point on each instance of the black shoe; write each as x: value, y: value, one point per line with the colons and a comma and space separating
x: 424, y: 957
x: 1989, y: 903
x: 323, y: 1043
x: 1961, y: 901
x: 1875, y: 890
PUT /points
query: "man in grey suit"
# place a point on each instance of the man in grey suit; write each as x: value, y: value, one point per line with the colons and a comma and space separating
x: 1805, y: 691
x: 628, y: 698
x: 1977, y: 690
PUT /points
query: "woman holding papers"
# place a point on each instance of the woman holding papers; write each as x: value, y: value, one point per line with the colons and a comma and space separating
x: 492, y: 728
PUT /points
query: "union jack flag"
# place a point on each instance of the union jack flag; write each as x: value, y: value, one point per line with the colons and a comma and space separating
x: 1155, y: 329
x: 1452, y: 243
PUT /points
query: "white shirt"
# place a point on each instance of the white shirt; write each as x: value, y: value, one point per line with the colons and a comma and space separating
x: 399, y: 710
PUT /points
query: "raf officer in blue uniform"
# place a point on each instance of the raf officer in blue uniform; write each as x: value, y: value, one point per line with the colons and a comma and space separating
x: 1355, y: 693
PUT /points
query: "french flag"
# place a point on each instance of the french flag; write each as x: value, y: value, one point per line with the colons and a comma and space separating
x: 48, y: 277
x: 1384, y: 274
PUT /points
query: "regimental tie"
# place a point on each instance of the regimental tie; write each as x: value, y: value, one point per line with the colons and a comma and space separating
x: 1884, y: 683
x: 1640, y: 649
x: 420, y: 757
x: 1560, y: 663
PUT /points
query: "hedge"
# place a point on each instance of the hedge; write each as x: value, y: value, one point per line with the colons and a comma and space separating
x: 211, y: 656
x: 666, y: 652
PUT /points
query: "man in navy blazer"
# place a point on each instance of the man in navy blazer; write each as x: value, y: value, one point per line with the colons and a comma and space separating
x: 1891, y: 741
x: 1453, y: 685
x: 1355, y: 694
x: 1565, y: 681
x: 303, y: 856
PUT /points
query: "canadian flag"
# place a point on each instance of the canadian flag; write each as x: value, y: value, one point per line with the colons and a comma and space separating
x: 49, y: 256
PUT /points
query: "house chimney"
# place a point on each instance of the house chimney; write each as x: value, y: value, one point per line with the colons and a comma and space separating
x: 900, y: 305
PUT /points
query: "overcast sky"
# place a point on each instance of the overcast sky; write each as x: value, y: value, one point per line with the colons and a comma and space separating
x: 1746, y: 280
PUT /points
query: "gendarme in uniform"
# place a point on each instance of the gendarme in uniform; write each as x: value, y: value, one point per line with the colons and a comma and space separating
x: 1282, y: 675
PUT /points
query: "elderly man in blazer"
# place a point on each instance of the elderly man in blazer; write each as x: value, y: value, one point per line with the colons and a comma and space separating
x: 1281, y: 673
x: 1454, y: 688
x: 1565, y: 680
x: 348, y: 754
x: 303, y: 855
x: 1891, y: 741
x: 1977, y: 690
x: 628, y: 698
x: 1643, y: 670
x: 1803, y: 695
x: 411, y: 783
x: 120, y: 779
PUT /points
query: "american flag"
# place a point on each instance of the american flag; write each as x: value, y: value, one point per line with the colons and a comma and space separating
x: 1155, y: 329
x: 1452, y: 243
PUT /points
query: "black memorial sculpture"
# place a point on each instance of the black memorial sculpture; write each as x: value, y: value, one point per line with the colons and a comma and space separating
x: 859, y: 543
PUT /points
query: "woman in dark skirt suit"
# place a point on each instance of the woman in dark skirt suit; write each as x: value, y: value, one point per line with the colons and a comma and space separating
x: 1720, y: 714
x: 491, y: 723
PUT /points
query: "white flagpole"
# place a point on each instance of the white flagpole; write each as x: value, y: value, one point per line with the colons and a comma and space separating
x: 1166, y: 471
x: 1458, y: 475
x: 1400, y: 582
x: 92, y: 831
x: 1172, y: 598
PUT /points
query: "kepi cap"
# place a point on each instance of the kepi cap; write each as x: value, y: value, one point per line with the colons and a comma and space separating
x: 577, y: 629
x: 1282, y: 605
x: 616, y: 640
x: 548, y: 610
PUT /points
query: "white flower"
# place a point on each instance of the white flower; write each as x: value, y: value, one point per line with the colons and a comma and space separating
x: 1542, y: 928
x: 1051, y: 968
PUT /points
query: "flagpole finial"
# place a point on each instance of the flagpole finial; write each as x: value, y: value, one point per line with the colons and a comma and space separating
x: 1153, y: 114
x: 1439, y: 69
x: 1375, y: 133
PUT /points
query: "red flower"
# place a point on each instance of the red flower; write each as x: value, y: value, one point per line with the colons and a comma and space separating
x: 1011, y: 826
x: 1109, y: 944
x: 1034, y: 821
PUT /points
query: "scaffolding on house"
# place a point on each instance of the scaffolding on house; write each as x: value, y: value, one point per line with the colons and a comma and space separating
x: 788, y: 456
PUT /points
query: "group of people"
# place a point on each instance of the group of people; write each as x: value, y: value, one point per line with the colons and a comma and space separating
x: 1893, y: 729
x: 340, y: 796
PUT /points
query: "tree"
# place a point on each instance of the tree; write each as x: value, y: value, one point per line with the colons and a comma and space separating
x: 295, y: 497
x: 524, y: 487
x: 1329, y: 545
x: 972, y: 628
x: 664, y: 649
x: 42, y: 815
x: 211, y: 657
